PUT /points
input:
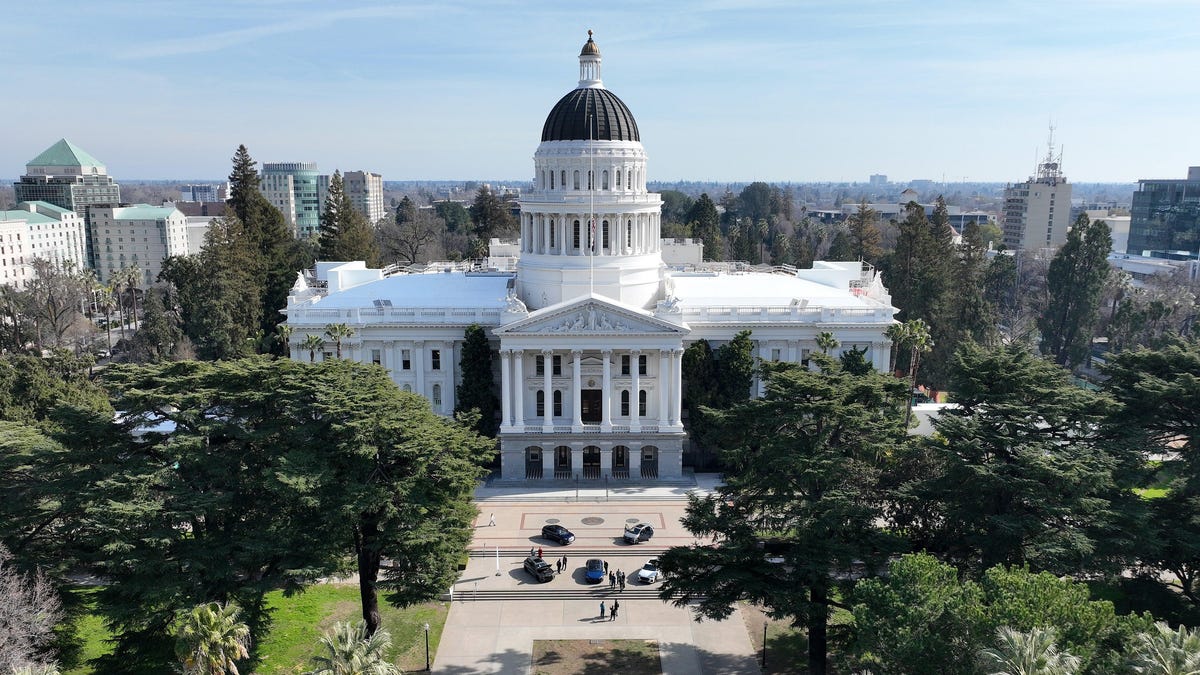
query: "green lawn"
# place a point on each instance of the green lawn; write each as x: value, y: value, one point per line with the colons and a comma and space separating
x: 1151, y: 493
x: 298, y: 623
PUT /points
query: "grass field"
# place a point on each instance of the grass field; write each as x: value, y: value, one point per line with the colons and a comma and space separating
x: 584, y: 657
x: 297, y: 624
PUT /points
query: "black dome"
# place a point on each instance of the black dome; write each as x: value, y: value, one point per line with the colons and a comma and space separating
x: 609, y: 116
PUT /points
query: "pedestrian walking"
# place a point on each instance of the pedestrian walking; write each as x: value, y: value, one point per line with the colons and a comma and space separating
x: 492, y: 520
x: 612, y: 581
x: 612, y: 616
x: 621, y: 582
x: 606, y: 567
x: 601, y: 610
x: 558, y: 567
x: 539, y: 551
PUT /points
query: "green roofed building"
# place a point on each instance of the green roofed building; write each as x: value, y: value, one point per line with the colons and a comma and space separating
x: 68, y: 176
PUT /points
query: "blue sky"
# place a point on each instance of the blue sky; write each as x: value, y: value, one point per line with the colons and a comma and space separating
x: 722, y: 90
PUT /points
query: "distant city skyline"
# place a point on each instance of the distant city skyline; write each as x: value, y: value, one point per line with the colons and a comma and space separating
x: 722, y: 91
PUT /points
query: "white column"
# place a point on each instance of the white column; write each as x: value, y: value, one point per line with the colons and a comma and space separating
x: 606, y: 461
x: 419, y: 366
x: 448, y: 366
x: 606, y: 397
x: 547, y: 391
x: 576, y: 390
x: 677, y: 387
x: 764, y: 354
x: 664, y: 384
x: 635, y: 395
x: 635, y: 460
x: 576, y: 461
x: 518, y: 389
x: 793, y: 352
x: 505, y: 387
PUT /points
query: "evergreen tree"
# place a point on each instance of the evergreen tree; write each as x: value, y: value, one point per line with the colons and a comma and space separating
x: 332, y: 217
x: 406, y: 211
x: 345, y: 233
x: 1075, y: 281
x: 477, y: 391
x: 706, y: 226
x: 735, y: 370
x: 864, y: 234
x: 455, y: 214
x: 967, y: 314
x: 802, y: 463
x: 243, y: 183
x: 490, y: 217
x: 905, y: 264
x: 159, y: 335
x: 841, y: 248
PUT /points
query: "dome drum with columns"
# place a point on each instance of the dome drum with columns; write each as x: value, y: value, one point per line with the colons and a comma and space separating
x: 590, y: 331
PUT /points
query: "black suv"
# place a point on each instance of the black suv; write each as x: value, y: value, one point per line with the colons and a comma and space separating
x: 557, y: 533
x: 540, y: 569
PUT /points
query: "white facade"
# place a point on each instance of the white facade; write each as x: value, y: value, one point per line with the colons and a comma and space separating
x: 39, y: 230
x: 591, y: 328
x: 139, y: 235
x: 365, y: 191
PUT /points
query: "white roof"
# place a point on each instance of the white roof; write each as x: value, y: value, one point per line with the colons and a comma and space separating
x: 758, y: 289
x: 445, y: 290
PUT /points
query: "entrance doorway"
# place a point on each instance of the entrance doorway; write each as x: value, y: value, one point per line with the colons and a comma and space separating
x: 649, y: 462
x: 533, y: 463
x: 591, y: 462
x: 591, y: 406
x: 562, y: 462
x: 620, y: 462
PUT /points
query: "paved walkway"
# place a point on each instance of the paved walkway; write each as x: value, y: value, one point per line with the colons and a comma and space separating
x: 499, y: 610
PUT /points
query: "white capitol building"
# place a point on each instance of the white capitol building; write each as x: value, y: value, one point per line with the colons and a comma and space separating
x: 591, y: 326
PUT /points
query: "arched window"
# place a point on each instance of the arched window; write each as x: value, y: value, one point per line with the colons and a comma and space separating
x: 558, y: 403
x: 575, y: 235
x: 604, y: 180
x: 541, y: 403
x: 551, y: 180
x: 642, y: 403
x: 618, y: 179
x: 576, y: 179
x: 437, y: 395
x: 543, y: 179
x: 604, y: 234
x: 624, y: 403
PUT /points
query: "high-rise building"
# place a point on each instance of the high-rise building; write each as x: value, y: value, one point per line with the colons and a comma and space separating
x: 141, y: 235
x: 203, y: 192
x: 365, y: 190
x: 292, y: 187
x: 65, y: 175
x: 1166, y: 215
x: 39, y: 230
x: 1037, y: 212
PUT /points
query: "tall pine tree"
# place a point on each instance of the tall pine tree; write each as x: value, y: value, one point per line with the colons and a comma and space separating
x: 477, y: 389
x: 864, y: 234
x: 345, y: 233
x: 1075, y: 282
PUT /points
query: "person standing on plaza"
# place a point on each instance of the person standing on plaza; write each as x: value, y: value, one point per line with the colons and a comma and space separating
x: 601, y: 610
x: 492, y: 520
x: 564, y: 562
x: 606, y: 567
x: 612, y: 581
x: 539, y: 551
x: 621, y: 579
x: 612, y: 616
x: 532, y: 550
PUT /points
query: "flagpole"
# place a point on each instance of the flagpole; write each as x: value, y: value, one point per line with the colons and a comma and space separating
x: 592, y: 209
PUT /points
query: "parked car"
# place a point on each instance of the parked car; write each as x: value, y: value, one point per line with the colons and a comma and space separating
x: 557, y: 533
x: 638, y: 533
x: 539, y: 569
x: 649, y: 572
x: 593, y: 571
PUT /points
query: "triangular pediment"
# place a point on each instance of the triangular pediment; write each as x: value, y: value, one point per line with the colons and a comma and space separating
x: 591, y: 315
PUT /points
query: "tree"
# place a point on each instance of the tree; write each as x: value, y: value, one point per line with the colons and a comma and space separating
x: 801, y: 463
x: 864, y: 234
x: 454, y: 213
x: 1027, y: 653
x: 911, y: 336
x: 159, y: 335
x: 826, y: 341
x: 476, y: 393
x: 345, y: 233
x: 841, y: 248
x: 29, y: 610
x: 349, y: 649
x: 311, y: 344
x: 676, y: 206
x: 338, y: 332
x: 967, y: 314
x: 735, y: 370
x: 407, y: 241
x: 210, y: 640
x: 55, y: 297
x: 1075, y: 281
x: 1025, y: 475
x: 406, y: 211
x: 706, y: 226
x: 1163, y: 651
x: 490, y: 217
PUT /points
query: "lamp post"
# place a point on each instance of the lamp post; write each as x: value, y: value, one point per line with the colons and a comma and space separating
x: 427, y: 648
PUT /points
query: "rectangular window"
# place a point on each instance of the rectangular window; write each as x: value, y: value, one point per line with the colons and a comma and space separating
x: 557, y: 365
x: 405, y: 359
x: 625, y: 364
x: 642, y: 403
x: 541, y: 366
x: 435, y: 359
x: 642, y: 364
x: 558, y: 404
x: 774, y: 354
x: 376, y: 357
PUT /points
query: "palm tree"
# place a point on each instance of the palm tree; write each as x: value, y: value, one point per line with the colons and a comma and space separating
x: 133, y: 275
x: 1032, y: 653
x: 36, y: 669
x: 913, y: 334
x: 827, y: 341
x: 1162, y: 651
x: 210, y: 639
x: 312, y: 343
x: 898, y: 334
x: 107, y: 303
x: 338, y: 332
x: 350, y: 651
x: 283, y: 333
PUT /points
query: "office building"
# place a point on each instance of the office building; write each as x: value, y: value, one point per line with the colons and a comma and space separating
x: 1165, y: 215
x: 292, y: 187
x: 365, y: 191
x: 39, y: 230
x: 203, y: 192
x: 140, y: 235
x: 1037, y: 213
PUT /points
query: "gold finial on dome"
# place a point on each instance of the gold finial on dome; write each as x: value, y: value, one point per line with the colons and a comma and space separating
x: 589, y: 47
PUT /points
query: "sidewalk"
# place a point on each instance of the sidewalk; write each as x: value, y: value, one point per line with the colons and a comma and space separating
x: 485, y: 635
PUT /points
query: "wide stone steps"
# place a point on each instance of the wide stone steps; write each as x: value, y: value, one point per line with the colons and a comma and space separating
x: 577, y: 554
x: 548, y: 591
